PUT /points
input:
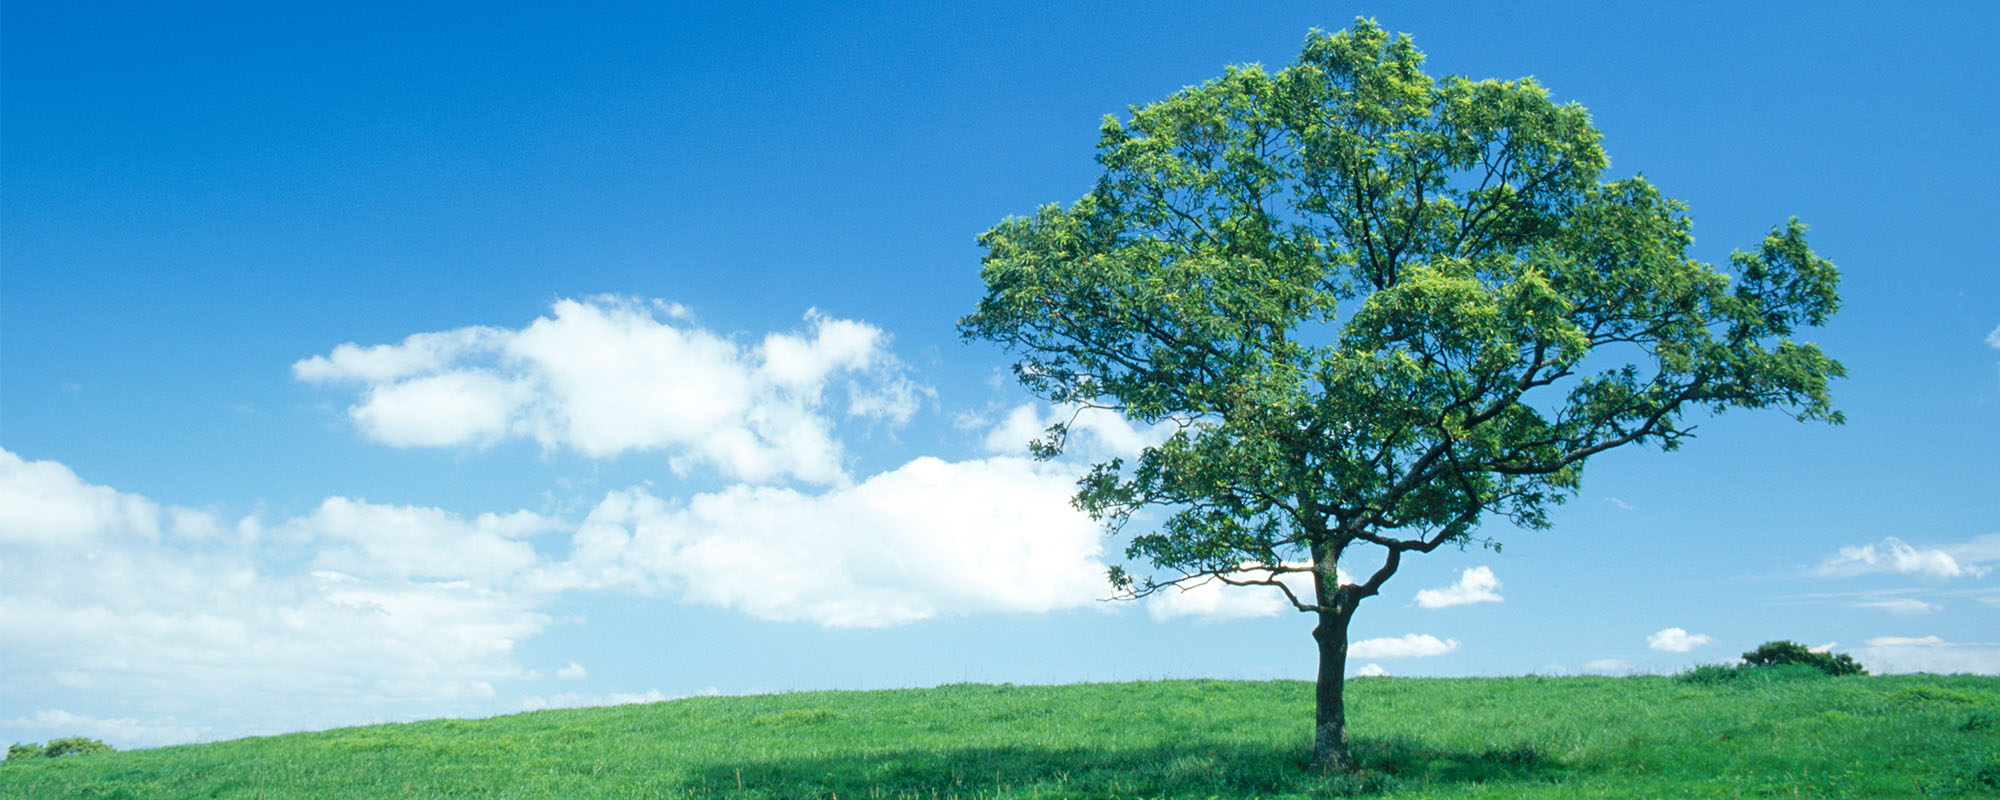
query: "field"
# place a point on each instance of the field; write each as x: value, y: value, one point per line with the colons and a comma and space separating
x: 1785, y: 735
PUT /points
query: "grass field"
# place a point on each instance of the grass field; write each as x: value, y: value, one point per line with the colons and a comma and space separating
x: 1785, y: 735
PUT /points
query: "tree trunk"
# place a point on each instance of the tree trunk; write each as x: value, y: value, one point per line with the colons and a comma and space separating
x: 1329, y: 748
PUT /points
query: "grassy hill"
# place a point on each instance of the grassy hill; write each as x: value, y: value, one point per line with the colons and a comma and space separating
x: 1649, y: 736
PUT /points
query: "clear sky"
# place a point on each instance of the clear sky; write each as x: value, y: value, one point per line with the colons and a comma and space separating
x: 366, y: 362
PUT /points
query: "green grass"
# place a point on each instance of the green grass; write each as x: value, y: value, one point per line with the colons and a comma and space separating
x: 1787, y: 735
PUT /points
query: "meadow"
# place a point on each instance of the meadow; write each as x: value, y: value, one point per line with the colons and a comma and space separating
x: 1785, y: 733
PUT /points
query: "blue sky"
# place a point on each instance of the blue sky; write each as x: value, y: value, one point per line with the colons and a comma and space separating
x: 365, y: 363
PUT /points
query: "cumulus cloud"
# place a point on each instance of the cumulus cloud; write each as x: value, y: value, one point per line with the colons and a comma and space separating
x: 1993, y: 339
x: 1371, y: 671
x: 406, y: 542
x: 929, y: 538
x: 441, y: 410
x: 1901, y: 654
x: 1414, y: 645
x: 358, y: 612
x: 1475, y: 585
x: 44, y: 504
x: 1893, y: 555
x: 609, y: 375
x: 1676, y: 640
x: 572, y: 672
x: 139, y: 605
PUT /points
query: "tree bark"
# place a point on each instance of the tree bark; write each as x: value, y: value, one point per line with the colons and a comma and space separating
x: 1329, y: 748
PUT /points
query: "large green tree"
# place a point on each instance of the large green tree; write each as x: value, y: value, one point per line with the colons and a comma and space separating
x: 1382, y: 309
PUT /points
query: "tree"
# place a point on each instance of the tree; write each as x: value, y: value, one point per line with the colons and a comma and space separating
x: 1784, y: 652
x: 1381, y: 309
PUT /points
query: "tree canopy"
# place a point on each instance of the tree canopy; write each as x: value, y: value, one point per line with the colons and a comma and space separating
x: 1380, y: 309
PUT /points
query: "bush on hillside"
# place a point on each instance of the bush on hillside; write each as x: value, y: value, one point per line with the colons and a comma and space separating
x: 1775, y: 661
x: 1771, y: 654
x: 1746, y: 675
x: 1708, y: 673
x: 56, y: 748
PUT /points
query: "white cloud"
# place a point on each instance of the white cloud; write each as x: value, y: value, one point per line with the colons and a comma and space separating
x: 1414, y: 645
x: 1475, y: 585
x: 927, y: 539
x: 1894, y: 555
x: 161, y: 614
x: 450, y: 408
x: 1610, y: 666
x: 1620, y: 504
x: 1895, y: 601
x: 1977, y: 550
x: 572, y: 672
x: 1676, y: 640
x: 1906, y: 641
x: 1900, y: 605
x: 574, y: 700
x: 1371, y: 671
x: 1214, y: 601
x: 607, y: 375
x: 418, y: 354
x: 1993, y: 338
x: 360, y: 612
x: 1094, y: 433
x: 405, y: 542
x: 1898, y: 654
x: 1012, y: 435
x: 44, y: 504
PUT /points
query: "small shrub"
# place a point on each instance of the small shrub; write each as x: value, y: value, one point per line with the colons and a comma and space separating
x: 56, y: 748
x: 1781, y: 653
x: 1746, y: 675
x: 1708, y: 675
x: 1774, y: 661
x: 75, y: 746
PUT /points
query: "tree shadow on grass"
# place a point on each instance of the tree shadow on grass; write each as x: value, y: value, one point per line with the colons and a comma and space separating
x: 1192, y: 769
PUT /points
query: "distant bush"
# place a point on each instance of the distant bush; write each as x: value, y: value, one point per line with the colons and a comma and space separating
x: 1708, y: 674
x: 1775, y: 661
x: 1746, y: 675
x: 56, y: 748
x: 1779, y: 653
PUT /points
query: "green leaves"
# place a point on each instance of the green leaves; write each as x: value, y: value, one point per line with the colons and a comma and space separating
x: 1385, y: 306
